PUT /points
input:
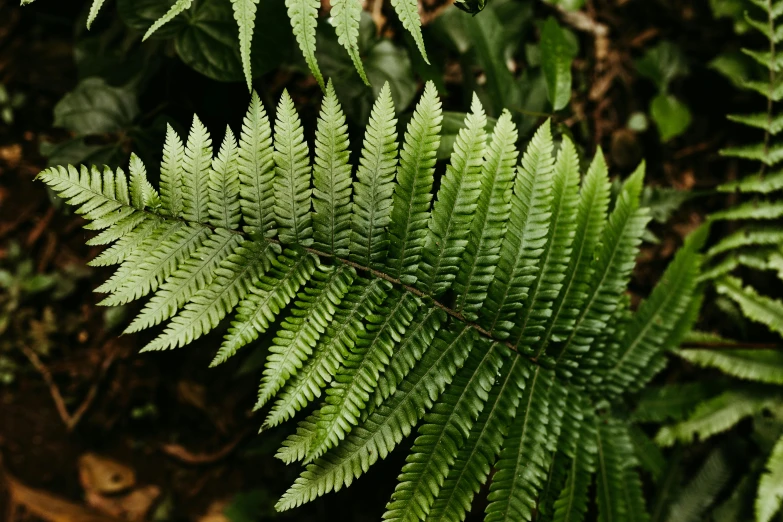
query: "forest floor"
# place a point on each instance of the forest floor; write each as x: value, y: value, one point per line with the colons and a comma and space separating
x: 86, y: 421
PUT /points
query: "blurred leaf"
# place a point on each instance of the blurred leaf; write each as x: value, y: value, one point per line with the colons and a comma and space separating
x: 77, y: 152
x: 487, y: 38
x: 96, y: 108
x: 470, y: 6
x: 569, y: 5
x: 670, y: 115
x: 662, y: 64
x: 251, y: 506
x: 207, y: 42
x: 736, y: 66
x: 557, y: 54
x: 637, y: 122
x: 664, y: 201
x: 141, y: 14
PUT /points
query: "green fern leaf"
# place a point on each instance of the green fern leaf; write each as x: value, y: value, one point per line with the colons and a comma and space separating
x: 524, y: 459
x: 271, y: 292
x: 223, y: 186
x: 330, y: 352
x: 416, y: 393
x: 208, y: 306
x: 346, y: 15
x: 304, y: 19
x: 245, y: 15
x: 756, y: 307
x: 546, y: 285
x: 770, y: 494
x: 755, y: 365
x: 374, y: 188
x: 331, y: 179
x: 474, y: 460
x: 408, y: 11
x: 171, y: 173
x: 95, y: 7
x: 190, y: 277
x: 300, y: 332
x: 178, y: 7
x: 715, y: 416
x: 354, y: 382
x: 412, y: 194
x: 195, y: 182
x: 482, y: 251
x: 450, y: 221
x: 525, y: 237
x: 256, y: 166
x: 292, y: 176
x: 443, y: 433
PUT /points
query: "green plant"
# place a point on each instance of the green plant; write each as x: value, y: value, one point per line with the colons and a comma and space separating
x: 757, y: 243
x: 303, y: 14
x: 662, y: 64
x: 711, y: 410
x: 494, y: 318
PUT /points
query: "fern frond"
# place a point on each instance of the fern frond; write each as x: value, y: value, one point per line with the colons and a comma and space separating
x: 300, y: 332
x: 354, y: 382
x: 292, y: 176
x: 756, y: 183
x: 770, y: 495
x: 482, y: 251
x: 412, y: 193
x: 193, y: 275
x: 492, y: 319
x: 270, y: 293
x: 525, y: 237
x: 408, y: 11
x: 347, y: 16
x: 329, y: 353
x: 373, y: 200
x: 177, y: 7
x: 442, y: 434
x: 590, y: 222
x: 245, y: 16
x: 756, y: 307
x: 647, y: 333
x: 172, y: 172
x: 223, y: 185
x: 417, y: 392
x: 477, y: 455
x: 331, y: 179
x: 208, y: 306
x: 95, y: 7
x: 614, y: 462
x: 546, y: 285
x: 256, y: 166
x: 195, y: 180
x: 754, y: 365
x: 304, y: 19
x: 450, y: 220
x: 715, y: 416
x: 524, y: 459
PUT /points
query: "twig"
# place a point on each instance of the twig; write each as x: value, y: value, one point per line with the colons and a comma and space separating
x: 59, y: 403
x: 183, y: 454
x: 70, y: 420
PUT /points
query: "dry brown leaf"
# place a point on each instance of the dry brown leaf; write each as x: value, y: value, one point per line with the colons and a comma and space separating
x: 104, y: 475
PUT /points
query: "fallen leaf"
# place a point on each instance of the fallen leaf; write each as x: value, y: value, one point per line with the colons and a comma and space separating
x: 103, y: 475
